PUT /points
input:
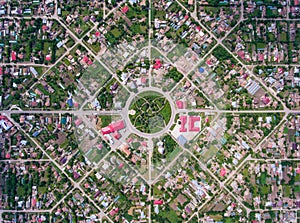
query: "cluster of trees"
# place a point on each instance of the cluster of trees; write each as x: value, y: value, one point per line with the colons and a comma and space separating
x: 174, y: 74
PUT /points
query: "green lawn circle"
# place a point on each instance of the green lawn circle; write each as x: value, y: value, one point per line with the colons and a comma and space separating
x: 152, y: 112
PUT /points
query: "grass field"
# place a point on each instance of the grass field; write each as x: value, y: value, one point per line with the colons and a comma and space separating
x: 95, y: 155
x: 211, y: 152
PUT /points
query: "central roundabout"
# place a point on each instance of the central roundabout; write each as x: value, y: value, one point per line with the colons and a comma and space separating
x: 150, y: 112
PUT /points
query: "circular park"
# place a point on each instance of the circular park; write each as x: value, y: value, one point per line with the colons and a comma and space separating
x: 150, y: 112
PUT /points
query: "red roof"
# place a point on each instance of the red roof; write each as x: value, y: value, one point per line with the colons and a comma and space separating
x: 7, y: 156
x: 157, y: 64
x: 296, y: 2
x: 159, y: 202
x: 179, y: 104
x: 186, y: 17
x: 198, y: 28
x: 125, y: 9
x: 183, y: 120
x: 48, y: 57
x: 192, y: 120
x: 280, y: 70
x: 13, y: 56
x: 1, y: 71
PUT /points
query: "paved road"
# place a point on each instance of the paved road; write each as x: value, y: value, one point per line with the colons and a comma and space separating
x: 124, y: 111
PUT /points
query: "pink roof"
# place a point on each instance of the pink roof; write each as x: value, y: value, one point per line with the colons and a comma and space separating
x: 183, y: 120
x: 125, y: 9
x: 206, y: 120
x: 260, y: 57
x: 1, y: 71
x: 266, y: 100
x: 159, y: 202
x: 100, y: 146
x: 113, y: 127
x: 48, y: 57
x: 144, y: 144
x: 44, y: 27
x: 121, y: 165
x: 186, y: 17
x: 198, y: 28
x: 129, y: 140
x: 106, y: 130
x: 114, y: 211
x: 296, y: 2
x: 7, y: 156
x: 97, y: 33
x: 13, y: 56
x: 33, y: 202
x: 179, y: 104
x: 117, y: 135
x: 116, y: 126
x: 157, y: 64
x: 192, y: 120
x: 241, y: 54
x: 143, y: 80
x: 280, y: 70
x: 223, y: 172
x: 86, y: 59
x: 78, y: 122
x: 208, y: 62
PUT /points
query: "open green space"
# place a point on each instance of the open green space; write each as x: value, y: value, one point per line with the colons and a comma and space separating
x: 152, y: 112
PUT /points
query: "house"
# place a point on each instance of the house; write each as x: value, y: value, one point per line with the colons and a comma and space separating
x: 222, y: 172
x: 181, y: 140
x: 192, y: 123
x: 179, y: 104
x: 157, y: 64
x: 158, y: 202
x: 183, y: 120
x: 48, y: 57
x: 13, y: 56
x: 113, y: 212
x: 125, y: 9
x: 125, y: 149
x: 116, y: 126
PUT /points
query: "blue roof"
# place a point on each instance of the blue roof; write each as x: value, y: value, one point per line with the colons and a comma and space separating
x: 70, y: 102
x: 63, y: 120
x: 182, y: 140
x: 201, y: 69
x: 35, y: 134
